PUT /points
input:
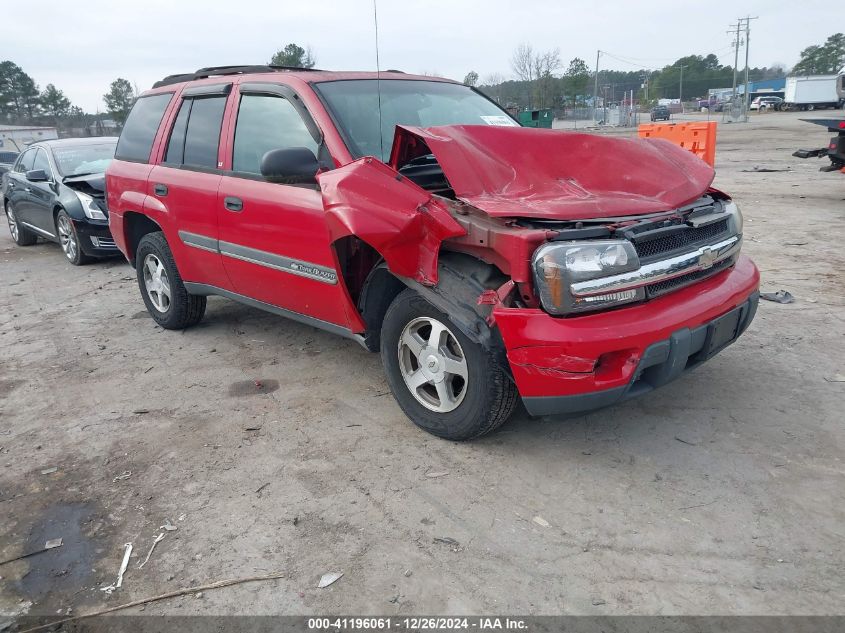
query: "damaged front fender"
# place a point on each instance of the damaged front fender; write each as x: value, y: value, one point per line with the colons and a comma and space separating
x: 404, y: 223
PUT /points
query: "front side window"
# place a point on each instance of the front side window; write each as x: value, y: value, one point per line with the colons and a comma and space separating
x: 26, y: 161
x: 266, y: 123
x: 42, y: 163
x: 202, y: 136
x: 82, y: 160
x: 355, y: 106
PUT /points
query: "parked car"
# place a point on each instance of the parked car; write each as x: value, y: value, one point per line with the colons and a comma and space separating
x: 484, y: 261
x: 766, y: 103
x: 660, y: 113
x: 7, y: 159
x: 55, y: 190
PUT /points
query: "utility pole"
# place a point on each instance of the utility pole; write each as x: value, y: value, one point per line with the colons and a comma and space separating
x: 596, y: 86
x: 681, y: 88
x: 736, y: 58
x: 747, y: 42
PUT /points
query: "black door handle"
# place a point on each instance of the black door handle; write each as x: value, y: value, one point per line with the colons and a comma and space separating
x: 233, y: 204
x: 160, y: 190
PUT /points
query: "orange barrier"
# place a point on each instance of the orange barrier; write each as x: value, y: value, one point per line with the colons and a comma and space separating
x: 699, y: 138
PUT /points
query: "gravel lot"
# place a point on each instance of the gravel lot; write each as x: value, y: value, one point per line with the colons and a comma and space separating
x: 276, y: 447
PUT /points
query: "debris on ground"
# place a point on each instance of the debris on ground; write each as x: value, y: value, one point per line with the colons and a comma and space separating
x: 541, y: 521
x: 126, y: 554
x: 835, y: 378
x: 260, y: 488
x: 157, y: 540
x: 126, y: 474
x: 168, y: 526
x: 437, y: 473
x: 763, y: 170
x: 51, y: 544
x: 329, y: 578
x: 49, y: 471
x: 165, y: 596
x: 140, y: 411
x: 781, y: 296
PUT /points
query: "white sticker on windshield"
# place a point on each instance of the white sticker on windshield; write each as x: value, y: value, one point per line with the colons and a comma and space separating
x: 499, y: 119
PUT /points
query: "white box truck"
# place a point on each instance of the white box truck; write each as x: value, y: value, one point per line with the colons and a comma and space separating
x: 811, y: 93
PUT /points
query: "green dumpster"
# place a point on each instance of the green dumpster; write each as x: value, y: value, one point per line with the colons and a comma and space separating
x: 536, y: 118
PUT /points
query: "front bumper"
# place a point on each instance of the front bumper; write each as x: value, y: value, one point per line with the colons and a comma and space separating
x: 569, y: 365
x: 95, y: 238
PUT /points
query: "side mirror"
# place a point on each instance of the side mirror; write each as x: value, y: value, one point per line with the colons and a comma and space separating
x: 37, y: 175
x: 291, y: 166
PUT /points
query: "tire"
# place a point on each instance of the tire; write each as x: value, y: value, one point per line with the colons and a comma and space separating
x: 811, y: 107
x: 22, y: 236
x: 69, y: 240
x: 462, y: 407
x: 160, y: 283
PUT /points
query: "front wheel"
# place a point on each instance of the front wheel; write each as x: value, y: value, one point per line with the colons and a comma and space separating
x: 445, y: 383
x: 164, y: 293
x: 69, y: 239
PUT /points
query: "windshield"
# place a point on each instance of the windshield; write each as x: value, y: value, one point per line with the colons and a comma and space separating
x: 83, y: 159
x: 354, y: 104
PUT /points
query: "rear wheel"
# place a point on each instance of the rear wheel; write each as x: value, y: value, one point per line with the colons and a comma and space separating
x: 21, y: 235
x: 69, y: 239
x: 445, y: 383
x: 164, y: 293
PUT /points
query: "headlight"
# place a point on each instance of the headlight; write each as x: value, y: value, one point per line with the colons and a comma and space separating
x: 89, y: 206
x: 557, y: 265
x: 735, y: 217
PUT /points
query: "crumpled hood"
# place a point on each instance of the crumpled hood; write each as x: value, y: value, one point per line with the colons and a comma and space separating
x: 92, y: 184
x: 552, y: 174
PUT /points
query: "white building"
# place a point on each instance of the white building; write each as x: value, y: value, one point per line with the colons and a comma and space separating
x: 15, y: 138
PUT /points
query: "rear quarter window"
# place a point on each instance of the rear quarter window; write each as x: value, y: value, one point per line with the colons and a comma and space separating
x: 136, y: 140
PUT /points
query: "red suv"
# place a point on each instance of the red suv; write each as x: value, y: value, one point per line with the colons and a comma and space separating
x: 485, y: 261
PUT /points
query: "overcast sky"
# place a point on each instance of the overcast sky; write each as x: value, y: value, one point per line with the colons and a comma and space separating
x: 83, y: 45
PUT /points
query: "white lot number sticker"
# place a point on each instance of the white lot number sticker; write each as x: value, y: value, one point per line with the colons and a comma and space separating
x: 499, y: 119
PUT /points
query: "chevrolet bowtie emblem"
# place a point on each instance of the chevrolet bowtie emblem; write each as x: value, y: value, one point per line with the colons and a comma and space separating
x: 706, y: 259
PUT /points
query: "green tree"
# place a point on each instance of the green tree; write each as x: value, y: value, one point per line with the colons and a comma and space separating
x: 576, y: 79
x: 54, y: 102
x: 119, y: 99
x: 295, y: 56
x: 825, y: 59
x: 471, y: 79
x: 18, y: 92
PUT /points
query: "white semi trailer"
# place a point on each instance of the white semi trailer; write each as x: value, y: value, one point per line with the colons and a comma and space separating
x: 812, y: 93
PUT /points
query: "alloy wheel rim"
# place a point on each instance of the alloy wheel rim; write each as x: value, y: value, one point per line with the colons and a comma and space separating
x: 13, y: 223
x: 433, y: 364
x: 157, y: 283
x: 67, y: 238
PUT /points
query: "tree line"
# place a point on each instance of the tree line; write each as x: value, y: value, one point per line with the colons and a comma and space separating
x: 541, y: 80
x: 23, y: 102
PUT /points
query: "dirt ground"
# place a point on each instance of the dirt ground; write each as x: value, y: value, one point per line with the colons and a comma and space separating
x: 272, y: 446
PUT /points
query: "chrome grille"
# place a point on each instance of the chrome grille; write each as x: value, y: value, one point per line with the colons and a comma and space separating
x: 662, y: 287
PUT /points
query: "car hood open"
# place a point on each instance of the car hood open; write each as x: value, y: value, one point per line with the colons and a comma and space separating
x: 552, y: 174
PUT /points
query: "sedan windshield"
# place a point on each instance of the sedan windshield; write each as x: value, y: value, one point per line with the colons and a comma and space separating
x: 83, y: 159
x: 355, y: 106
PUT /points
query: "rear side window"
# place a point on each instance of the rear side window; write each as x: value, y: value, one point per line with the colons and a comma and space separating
x: 195, y: 137
x: 136, y: 140
x: 176, y: 144
x: 202, y: 138
x: 266, y: 123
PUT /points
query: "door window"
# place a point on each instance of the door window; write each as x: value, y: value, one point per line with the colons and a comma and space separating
x: 176, y: 145
x: 42, y: 162
x: 202, y: 136
x: 26, y: 161
x: 266, y: 123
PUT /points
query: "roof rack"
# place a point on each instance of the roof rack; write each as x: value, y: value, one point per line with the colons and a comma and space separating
x: 220, y: 71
